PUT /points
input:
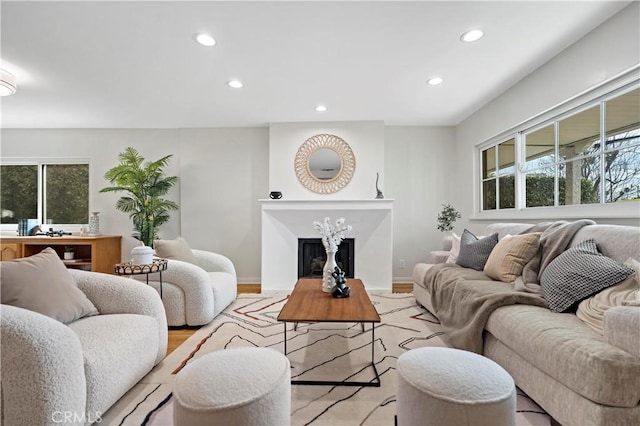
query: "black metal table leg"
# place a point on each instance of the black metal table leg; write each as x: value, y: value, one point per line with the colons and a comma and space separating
x: 373, y: 383
x: 285, y: 339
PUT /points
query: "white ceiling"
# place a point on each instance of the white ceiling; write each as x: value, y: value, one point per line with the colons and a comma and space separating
x: 136, y: 64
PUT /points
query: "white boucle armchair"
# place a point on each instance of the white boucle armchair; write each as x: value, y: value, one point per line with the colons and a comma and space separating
x: 55, y: 373
x: 194, y: 294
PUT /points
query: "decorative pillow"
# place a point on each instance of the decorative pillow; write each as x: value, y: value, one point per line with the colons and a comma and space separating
x: 474, y: 252
x: 509, y: 256
x: 41, y: 283
x: 177, y: 249
x: 455, y: 248
x: 591, y: 310
x: 577, y: 273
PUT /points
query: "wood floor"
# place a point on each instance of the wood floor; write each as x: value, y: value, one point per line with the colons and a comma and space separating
x: 178, y: 336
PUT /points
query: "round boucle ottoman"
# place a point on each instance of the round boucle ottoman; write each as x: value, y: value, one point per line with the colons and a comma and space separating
x: 444, y: 386
x: 244, y: 386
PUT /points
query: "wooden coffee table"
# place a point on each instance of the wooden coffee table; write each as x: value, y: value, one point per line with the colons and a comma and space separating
x: 308, y: 303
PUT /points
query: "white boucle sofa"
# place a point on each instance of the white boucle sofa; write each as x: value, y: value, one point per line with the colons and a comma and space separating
x: 578, y: 376
x: 193, y: 294
x: 54, y: 373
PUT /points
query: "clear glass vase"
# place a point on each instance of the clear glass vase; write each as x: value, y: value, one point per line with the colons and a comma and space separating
x: 327, y: 279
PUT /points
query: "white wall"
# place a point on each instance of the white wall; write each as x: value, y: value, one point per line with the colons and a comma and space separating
x: 223, y: 173
x: 413, y: 163
x: 610, y: 49
x: 418, y: 161
x: 102, y: 147
x: 366, y: 139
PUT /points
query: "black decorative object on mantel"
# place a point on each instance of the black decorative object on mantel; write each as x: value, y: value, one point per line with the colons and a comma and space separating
x: 379, y: 195
x: 275, y: 195
x: 340, y: 290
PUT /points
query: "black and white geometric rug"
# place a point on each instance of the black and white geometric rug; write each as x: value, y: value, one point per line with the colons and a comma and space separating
x: 327, y: 351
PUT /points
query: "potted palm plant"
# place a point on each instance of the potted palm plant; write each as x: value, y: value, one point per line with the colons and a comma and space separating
x: 145, y: 184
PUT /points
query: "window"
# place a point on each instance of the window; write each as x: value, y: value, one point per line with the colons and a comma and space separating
x: 498, y: 176
x: 571, y: 172
x: 578, y: 149
x: 540, y: 161
x: 564, y: 160
x: 621, y: 168
x: 50, y: 192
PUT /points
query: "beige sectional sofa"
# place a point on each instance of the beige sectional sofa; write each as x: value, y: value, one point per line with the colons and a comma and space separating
x: 577, y: 375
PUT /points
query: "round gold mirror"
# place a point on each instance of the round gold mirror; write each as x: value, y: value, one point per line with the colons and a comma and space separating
x: 325, y: 164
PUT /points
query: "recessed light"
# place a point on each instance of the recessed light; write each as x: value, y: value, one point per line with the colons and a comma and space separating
x: 236, y: 84
x: 321, y: 108
x: 205, y: 40
x: 434, y: 81
x: 472, y: 35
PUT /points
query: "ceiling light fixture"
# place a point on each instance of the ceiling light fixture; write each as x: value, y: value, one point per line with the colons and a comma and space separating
x: 236, y: 84
x: 205, y: 40
x: 434, y: 81
x: 7, y: 83
x: 471, y: 35
x: 321, y: 108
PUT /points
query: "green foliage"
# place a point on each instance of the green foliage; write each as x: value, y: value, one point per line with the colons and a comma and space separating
x: 447, y: 217
x: 66, y: 189
x: 145, y: 185
x: 68, y: 193
x: 19, y: 192
x: 539, y: 190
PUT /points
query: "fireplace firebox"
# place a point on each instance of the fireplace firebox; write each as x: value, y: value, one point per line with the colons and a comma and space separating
x: 312, y: 257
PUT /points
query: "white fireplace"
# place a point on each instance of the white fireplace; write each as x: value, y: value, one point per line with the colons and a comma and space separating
x: 284, y: 221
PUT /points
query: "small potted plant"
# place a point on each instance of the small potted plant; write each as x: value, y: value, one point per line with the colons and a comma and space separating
x: 68, y: 252
x: 447, y: 217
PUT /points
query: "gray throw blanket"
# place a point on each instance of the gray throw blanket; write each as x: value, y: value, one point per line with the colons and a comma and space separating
x: 463, y: 299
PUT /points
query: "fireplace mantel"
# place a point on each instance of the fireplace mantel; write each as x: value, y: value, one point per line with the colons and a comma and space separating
x: 284, y: 221
x: 384, y: 204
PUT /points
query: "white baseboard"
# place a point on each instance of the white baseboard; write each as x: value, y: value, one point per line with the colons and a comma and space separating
x: 248, y: 280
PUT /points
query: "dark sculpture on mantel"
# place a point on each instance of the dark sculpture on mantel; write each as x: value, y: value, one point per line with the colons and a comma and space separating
x: 379, y: 195
x: 340, y: 290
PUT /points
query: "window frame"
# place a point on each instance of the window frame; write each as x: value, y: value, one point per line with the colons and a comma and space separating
x: 498, y: 175
x: 599, y: 95
x: 40, y: 162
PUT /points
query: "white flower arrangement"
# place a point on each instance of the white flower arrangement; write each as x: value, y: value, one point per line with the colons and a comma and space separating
x: 332, y: 235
